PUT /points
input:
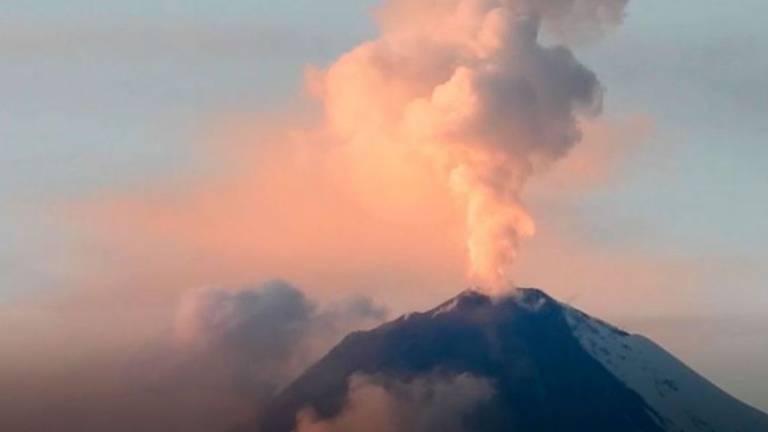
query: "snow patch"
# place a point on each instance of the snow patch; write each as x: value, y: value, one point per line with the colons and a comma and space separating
x: 683, y: 400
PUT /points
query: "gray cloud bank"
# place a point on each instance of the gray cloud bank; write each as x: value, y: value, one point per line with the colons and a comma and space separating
x: 231, y: 350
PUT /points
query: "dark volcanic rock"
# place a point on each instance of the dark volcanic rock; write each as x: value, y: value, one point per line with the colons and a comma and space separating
x: 543, y: 379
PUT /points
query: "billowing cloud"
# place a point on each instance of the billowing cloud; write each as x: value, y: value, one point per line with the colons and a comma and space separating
x: 256, y: 331
x: 266, y: 335
x: 469, y: 84
x: 230, y: 351
x: 383, y: 404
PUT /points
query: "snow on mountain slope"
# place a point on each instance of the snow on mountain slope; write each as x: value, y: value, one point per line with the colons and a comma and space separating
x: 685, y: 401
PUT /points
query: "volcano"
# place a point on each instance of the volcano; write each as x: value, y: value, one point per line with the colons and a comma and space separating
x: 550, y: 368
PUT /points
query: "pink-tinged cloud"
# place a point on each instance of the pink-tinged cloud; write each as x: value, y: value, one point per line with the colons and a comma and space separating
x: 288, y: 204
x: 469, y: 84
x: 425, y: 139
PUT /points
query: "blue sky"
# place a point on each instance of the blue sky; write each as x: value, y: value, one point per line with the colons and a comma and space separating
x: 98, y: 95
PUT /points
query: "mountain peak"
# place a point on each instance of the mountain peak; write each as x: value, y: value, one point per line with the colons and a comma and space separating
x: 552, y: 368
x: 467, y: 300
x: 474, y: 300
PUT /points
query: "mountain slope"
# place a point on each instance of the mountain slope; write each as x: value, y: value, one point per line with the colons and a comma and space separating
x: 552, y: 369
x: 684, y: 400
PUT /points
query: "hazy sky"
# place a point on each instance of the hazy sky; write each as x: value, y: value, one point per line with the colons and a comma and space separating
x: 98, y: 96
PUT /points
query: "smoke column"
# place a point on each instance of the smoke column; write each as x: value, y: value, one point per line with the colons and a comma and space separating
x: 470, y: 85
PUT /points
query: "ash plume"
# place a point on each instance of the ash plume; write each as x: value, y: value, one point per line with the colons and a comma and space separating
x: 470, y: 84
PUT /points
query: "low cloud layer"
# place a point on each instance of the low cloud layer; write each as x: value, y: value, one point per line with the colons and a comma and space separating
x: 382, y: 404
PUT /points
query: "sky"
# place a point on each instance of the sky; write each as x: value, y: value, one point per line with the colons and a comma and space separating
x: 104, y: 102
